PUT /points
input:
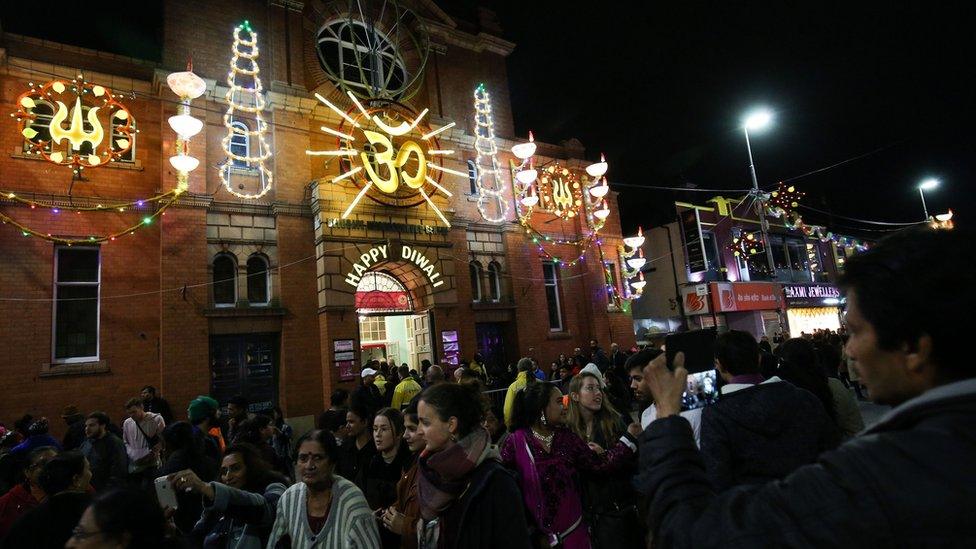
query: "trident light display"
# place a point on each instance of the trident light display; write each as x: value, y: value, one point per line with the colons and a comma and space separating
x: 245, y: 173
x: 393, y: 137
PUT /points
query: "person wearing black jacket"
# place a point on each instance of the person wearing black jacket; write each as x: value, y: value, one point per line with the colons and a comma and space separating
x: 908, y: 480
x: 105, y: 453
x: 156, y: 404
x: 387, y: 465
x: 75, y: 435
x: 357, y: 448
x: 183, y: 451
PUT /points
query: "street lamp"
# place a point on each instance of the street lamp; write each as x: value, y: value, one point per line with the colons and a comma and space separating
x: 758, y: 120
x: 926, y: 185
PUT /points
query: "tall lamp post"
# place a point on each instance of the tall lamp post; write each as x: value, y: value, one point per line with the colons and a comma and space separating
x: 757, y: 120
x: 926, y: 185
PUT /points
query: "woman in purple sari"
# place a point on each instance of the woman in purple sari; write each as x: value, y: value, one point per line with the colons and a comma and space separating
x: 548, y: 457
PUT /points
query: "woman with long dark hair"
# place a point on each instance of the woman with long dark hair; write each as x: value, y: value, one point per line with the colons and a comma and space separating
x: 467, y: 499
x: 401, y: 518
x: 800, y: 365
x: 609, y: 501
x: 548, y: 457
x: 387, y: 466
x: 240, y: 509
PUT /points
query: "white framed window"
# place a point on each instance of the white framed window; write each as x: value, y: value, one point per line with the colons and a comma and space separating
x: 224, y: 280
x: 240, y: 142
x: 41, y: 124
x: 361, y: 57
x: 550, y: 276
x: 495, y: 281
x: 130, y: 155
x: 372, y: 329
x: 472, y: 177
x: 77, y: 287
x: 258, y: 280
x: 475, y: 271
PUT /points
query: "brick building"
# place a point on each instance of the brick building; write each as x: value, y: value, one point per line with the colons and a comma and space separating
x: 267, y: 297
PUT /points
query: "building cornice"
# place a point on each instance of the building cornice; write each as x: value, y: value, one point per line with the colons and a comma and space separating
x: 475, y: 42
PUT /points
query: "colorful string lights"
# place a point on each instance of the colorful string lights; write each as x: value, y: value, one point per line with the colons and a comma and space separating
x: 248, y: 99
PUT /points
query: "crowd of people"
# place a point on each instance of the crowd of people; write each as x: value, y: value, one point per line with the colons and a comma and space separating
x: 599, y: 451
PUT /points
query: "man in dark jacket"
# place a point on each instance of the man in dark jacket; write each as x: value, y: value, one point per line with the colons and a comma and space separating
x: 758, y: 430
x: 367, y: 395
x: 156, y: 404
x: 907, y: 481
x: 105, y: 453
x: 75, y: 435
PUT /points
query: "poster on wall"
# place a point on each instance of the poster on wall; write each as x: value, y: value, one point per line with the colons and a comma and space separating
x: 344, y: 357
x: 694, y: 244
x: 452, y: 349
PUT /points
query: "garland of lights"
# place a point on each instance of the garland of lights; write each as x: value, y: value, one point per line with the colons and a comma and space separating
x: 172, y: 196
x: 490, y: 183
x: 746, y: 245
x: 246, y: 49
x: 96, y: 98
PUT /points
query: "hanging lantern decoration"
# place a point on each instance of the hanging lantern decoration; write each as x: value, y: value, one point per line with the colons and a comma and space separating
x: 187, y: 86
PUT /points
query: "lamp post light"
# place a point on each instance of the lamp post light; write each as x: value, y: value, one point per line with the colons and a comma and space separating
x: 926, y: 185
x: 758, y: 120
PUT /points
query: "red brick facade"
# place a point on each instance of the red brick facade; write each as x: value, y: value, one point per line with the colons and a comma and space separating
x: 157, y: 313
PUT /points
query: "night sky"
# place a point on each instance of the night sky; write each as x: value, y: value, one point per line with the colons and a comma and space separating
x: 661, y: 89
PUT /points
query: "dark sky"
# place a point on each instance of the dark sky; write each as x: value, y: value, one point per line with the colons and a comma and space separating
x: 661, y: 88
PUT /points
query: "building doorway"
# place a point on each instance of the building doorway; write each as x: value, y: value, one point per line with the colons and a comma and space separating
x: 491, y: 344
x: 245, y: 364
x: 389, y: 328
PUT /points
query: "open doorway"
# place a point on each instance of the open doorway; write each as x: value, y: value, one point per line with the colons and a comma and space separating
x: 389, y: 328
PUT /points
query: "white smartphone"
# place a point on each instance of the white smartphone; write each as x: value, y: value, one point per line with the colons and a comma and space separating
x: 165, y: 493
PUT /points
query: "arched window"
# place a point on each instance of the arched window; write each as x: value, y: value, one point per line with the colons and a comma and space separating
x: 472, y: 177
x: 41, y: 124
x: 258, y: 280
x: 475, y: 270
x: 224, y: 280
x: 130, y: 155
x: 240, y: 142
x: 495, y: 281
x: 361, y: 57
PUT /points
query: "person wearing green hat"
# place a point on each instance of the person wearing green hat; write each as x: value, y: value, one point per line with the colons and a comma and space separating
x: 202, y: 413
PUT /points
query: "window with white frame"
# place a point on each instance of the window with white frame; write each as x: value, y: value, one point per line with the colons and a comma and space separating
x: 130, y: 155
x: 475, y: 270
x: 472, y: 177
x: 258, y: 280
x: 240, y: 142
x: 76, y: 304
x: 224, y: 280
x: 550, y: 276
x: 361, y: 57
x: 494, y: 281
x: 41, y: 124
x: 372, y: 328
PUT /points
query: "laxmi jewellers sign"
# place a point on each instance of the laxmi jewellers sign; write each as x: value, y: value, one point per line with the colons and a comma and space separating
x: 393, y: 252
x: 811, y: 295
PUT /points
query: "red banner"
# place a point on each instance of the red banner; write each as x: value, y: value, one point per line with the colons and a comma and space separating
x: 746, y: 296
x: 386, y: 301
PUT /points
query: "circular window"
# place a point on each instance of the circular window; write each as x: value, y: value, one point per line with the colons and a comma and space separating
x: 361, y: 59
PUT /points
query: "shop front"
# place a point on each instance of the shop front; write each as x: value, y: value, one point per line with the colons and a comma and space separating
x: 811, y: 307
x: 752, y: 307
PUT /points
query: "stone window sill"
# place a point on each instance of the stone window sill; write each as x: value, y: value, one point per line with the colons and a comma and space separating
x: 56, y: 369
x: 559, y: 335
x: 118, y: 164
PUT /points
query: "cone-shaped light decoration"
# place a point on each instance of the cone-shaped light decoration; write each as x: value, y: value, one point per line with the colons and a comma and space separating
x: 598, y: 169
x: 637, y: 262
x: 525, y: 150
x: 600, y: 189
x: 639, y: 285
x: 635, y: 241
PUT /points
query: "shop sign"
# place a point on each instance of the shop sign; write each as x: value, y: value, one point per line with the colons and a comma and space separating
x: 694, y: 243
x: 695, y: 300
x: 393, y: 252
x: 811, y: 295
x: 745, y: 296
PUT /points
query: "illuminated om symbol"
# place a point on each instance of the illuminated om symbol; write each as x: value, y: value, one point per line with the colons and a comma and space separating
x: 384, y: 157
x: 562, y: 196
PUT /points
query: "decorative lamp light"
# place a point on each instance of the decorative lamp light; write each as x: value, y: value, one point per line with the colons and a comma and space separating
x: 637, y: 262
x: 531, y: 199
x: 185, y: 84
x: 600, y: 189
x: 526, y: 177
x: 525, y: 150
x: 639, y: 285
x: 184, y: 163
x: 944, y: 217
x: 635, y: 241
x: 185, y: 125
x: 598, y: 169
x: 603, y: 212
